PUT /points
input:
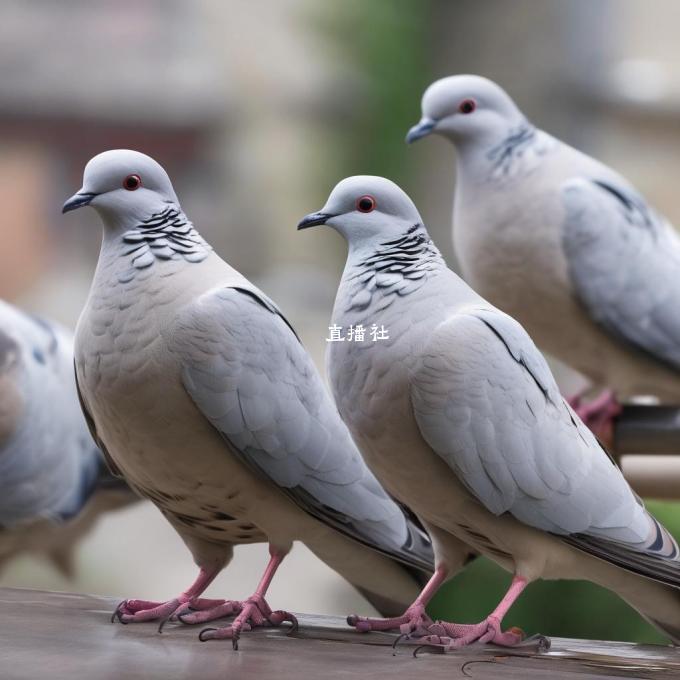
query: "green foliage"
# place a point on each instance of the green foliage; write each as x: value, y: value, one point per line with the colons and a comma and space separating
x: 383, y: 44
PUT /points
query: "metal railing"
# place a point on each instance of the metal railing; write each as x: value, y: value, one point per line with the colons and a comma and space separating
x: 647, y: 446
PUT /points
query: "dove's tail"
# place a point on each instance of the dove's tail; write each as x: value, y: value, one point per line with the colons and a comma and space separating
x: 386, y: 582
x: 648, y: 579
x: 63, y: 557
x: 656, y: 602
x: 655, y: 594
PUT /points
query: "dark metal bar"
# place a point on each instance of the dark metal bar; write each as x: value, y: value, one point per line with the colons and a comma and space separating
x: 647, y: 429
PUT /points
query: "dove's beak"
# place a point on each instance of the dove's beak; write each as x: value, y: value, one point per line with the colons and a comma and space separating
x: 313, y: 219
x: 421, y: 129
x: 78, y: 201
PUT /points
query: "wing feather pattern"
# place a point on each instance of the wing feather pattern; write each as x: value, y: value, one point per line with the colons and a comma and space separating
x: 253, y: 380
x: 486, y: 402
x: 624, y: 263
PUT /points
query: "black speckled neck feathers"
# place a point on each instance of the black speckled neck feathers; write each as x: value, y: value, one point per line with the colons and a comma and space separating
x: 166, y: 235
x: 519, y: 152
x: 513, y: 144
x: 397, y: 267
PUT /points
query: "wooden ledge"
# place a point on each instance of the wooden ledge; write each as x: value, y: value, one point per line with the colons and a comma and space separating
x: 66, y: 636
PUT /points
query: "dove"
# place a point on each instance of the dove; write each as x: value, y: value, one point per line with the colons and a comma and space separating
x: 204, y: 399
x: 456, y: 412
x: 53, y: 481
x: 562, y: 243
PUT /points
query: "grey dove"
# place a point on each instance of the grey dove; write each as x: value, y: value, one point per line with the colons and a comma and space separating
x: 562, y: 243
x: 204, y: 399
x: 53, y: 481
x: 458, y: 415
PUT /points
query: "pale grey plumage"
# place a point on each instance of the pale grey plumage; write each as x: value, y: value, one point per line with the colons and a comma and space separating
x: 624, y: 263
x: 463, y: 381
x: 254, y: 381
x: 49, y: 465
x: 504, y: 427
x: 207, y: 403
x: 560, y: 241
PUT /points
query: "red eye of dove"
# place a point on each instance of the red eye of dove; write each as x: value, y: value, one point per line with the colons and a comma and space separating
x: 132, y: 182
x: 365, y: 204
x: 467, y: 106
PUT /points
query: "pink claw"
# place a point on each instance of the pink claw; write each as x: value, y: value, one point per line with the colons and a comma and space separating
x: 445, y: 636
x: 134, y: 611
x: 456, y: 635
x: 414, y: 620
x: 227, y: 608
x: 138, y: 611
x: 255, y: 612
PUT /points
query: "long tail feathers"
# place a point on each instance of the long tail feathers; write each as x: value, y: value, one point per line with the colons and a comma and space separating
x: 657, y: 557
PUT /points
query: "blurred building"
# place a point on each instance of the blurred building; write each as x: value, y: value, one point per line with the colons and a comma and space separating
x: 215, y: 91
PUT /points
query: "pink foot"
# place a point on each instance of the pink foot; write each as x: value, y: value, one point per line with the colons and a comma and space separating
x: 413, y: 620
x: 133, y: 611
x: 179, y: 608
x: 446, y: 636
x: 455, y: 635
x: 254, y: 612
x: 599, y: 414
x: 196, y: 615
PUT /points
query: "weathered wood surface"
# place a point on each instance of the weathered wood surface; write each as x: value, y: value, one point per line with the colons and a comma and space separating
x: 57, y: 635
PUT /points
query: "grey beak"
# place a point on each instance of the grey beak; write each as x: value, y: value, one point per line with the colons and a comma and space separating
x: 422, y: 129
x: 313, y: 219
x: 78, y: 201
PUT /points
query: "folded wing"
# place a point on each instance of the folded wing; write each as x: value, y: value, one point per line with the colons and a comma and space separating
x: 624, y: 265
x: 486, y: 402
x: 253, y: 380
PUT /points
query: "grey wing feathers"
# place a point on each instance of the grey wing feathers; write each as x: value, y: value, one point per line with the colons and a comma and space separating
x: 486, y: 402
x: 624, y: 264
x: 48, y: 465
x: 253, y: 380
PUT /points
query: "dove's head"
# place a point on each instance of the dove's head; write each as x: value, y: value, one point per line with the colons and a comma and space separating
x: 465, y: 108
x: 123, y: 185
x: 365, y: 209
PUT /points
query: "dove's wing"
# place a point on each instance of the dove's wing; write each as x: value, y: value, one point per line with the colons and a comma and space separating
x: 253, y: 380
x: 48, y: 463
x: 624, y: 264
x: 486, y: 402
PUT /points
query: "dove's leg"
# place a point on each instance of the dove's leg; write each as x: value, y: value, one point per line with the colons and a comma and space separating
x: 598, y: 414
x: 130, y: 611
x: 254, y: 611
x: 414, y: 619
x: 455, y: 635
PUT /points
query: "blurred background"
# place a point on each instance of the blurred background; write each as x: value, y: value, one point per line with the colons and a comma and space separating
x: 256, y: 110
